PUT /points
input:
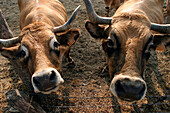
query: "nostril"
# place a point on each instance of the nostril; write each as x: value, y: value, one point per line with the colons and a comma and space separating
x: 122, y: 85
x: 119, y: 88
x: 52, y: 76
x: 141, y: 93
x: 35, y: 81
x: 106, y: 7
x: 141, y: 88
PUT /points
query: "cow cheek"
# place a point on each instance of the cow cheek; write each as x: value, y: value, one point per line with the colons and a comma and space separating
x: 115, y: 64
x: 143, y: 65
x: 63, y: 50
x: 111, y: 65
x: 55, y: 59
x: 31, y: 67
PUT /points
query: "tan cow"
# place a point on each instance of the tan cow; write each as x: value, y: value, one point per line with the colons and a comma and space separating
x: 127, y: 40
x: 45, y: 38
x: 110, y: 4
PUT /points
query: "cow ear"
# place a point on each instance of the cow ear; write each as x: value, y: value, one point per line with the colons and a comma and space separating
x: 161, y: 40
x: 11, y: 52
x: 95, y: 30
x: 69, y: 37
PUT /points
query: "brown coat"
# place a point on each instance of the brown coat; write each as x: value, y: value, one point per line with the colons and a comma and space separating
x: 41, y: 45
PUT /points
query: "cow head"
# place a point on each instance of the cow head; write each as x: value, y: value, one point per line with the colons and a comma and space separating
x: 40, y: 48
x: 127, y: 41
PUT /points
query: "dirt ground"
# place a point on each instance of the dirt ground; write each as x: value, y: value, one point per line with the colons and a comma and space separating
x: 86, y: 83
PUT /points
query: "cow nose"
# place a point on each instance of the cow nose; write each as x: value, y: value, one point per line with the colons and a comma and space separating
x: 46, y: 80
x: 128, y: 89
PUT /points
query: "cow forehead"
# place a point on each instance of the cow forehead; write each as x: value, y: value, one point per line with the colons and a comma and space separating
x: 130, y: 21
x: 36, y: 34
x: 130, y: 29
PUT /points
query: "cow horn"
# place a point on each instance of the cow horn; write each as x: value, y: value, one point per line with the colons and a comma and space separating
x: 162, y: 28
x: 6, y: 33
x: 93, y: 17
x: 67, y: 25
x: 9, y: 42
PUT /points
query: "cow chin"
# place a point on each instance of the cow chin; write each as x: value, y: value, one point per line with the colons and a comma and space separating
x: 46, y: 81
x: 127, y: 88
x: 47, y: 91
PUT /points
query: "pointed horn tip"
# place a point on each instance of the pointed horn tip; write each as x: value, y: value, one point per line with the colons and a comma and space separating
x: 76, y: 10
x: 93, y: 16
x: 78, y: 7
x: 57, y: 29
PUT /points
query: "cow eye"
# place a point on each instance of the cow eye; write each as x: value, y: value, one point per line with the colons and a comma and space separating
x: 23, y: 51
x: 147, y: 54
x: 110, y: 44
x: 54, y: 44
x: 149, y: 47
x: 113, y: 41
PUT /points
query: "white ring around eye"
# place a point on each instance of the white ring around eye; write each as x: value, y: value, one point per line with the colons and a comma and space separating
x: 23, y: 48
x: 53, y: 40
